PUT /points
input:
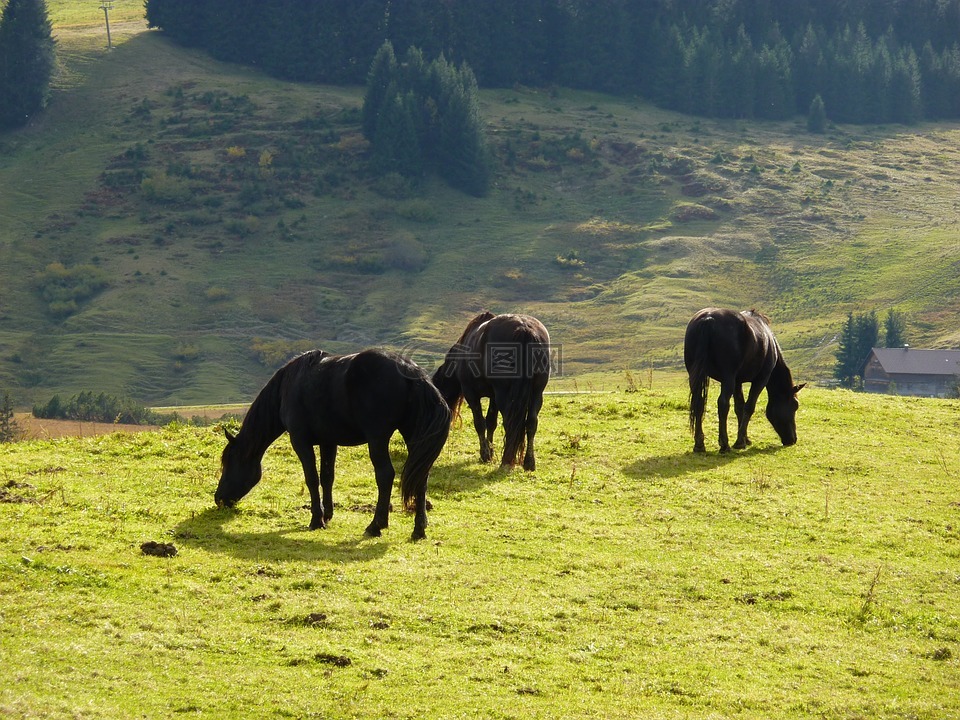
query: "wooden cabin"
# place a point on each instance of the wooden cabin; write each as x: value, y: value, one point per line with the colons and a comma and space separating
x: 910, y: 371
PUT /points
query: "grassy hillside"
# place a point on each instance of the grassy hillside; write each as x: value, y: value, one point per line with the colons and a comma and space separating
x: 173, y: 227
x: 626, y: 578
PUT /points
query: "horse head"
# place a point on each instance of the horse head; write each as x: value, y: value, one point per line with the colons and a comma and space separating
x: 446, y: 381
x: 238, y: 472
x: 782, y: 414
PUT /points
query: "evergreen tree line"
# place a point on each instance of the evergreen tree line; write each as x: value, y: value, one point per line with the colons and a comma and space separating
x: 861, y: 333
x: 423, y: 116
x: 89, y: 407
x: 869, y: 61
x: 27, y: 61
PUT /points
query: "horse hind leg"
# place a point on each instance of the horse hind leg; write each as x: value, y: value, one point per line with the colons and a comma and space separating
x: 699, y: 444
x: 698, y: 398
x: 529, y: 458
x: 491, y: 422
x: 723, y: 411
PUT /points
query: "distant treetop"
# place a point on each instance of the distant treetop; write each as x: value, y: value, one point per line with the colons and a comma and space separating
x: 870, y: 62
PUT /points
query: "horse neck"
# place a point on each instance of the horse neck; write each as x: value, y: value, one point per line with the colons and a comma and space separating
x: 781, y: 380
x: 262, y: 425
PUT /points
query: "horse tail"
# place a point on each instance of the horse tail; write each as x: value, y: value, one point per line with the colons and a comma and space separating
x: 515, y: 415
x: 425, y: 437
x: 698, y: 346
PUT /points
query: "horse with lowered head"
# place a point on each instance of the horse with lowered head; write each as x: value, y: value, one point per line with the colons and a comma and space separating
x: 735, y: 348
x: 505, y: 358
x: 331, y: 400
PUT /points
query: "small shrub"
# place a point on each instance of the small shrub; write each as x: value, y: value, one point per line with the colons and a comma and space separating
x: 406, y: 253
x: 417, y: 210
x: 216, y: 294
x: 571, y: 259
x: 394, y: 186
x: 62, y: 288
x: 164, y: 189
x: 273, y: 353
x: 243, y: 226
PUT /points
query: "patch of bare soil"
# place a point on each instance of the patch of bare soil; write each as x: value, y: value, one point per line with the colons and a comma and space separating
x: 40, y: 429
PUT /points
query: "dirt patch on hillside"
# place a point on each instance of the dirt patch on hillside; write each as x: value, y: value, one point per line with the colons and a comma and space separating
x: 40, y: 429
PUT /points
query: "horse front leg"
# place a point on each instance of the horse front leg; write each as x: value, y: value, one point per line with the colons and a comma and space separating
x: 328, y: 458
x: 308, y: 460
x: 480, y: 425
x: 383, y: 467
x: 739, y: 406
x: 744, y: 420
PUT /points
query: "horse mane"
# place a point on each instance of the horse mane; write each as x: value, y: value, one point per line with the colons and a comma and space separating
x: 752, y: 312
x: 477, y: 321
x: 262, y: 421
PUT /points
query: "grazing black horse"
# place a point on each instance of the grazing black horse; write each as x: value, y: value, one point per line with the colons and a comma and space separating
x: 735, y: 348
x: 505, y: 358
x: 330, y: 400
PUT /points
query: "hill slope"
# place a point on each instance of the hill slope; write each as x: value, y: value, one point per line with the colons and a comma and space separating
x: 204, y: 221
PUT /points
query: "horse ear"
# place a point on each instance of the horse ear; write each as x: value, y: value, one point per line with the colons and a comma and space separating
x: 230, y: 436
x: 798, y: 388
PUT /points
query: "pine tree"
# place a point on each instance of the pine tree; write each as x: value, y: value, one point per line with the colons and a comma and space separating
x: 817, y: 116
x: 26, y: 61
x: 425, y: 117
x: 9, y: 427
x: 859, y: 336
x: 462, y: 152
x: 844, y: 369
x: 383, y: 73
x: 397, y: 148
x: 894, y: 330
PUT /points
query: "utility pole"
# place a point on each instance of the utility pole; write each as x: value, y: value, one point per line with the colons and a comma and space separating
x: 107, y: 6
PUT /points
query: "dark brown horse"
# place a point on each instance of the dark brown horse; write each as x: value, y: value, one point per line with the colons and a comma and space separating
x: 332, y: 400
x: 735, y: 348
x: 505, y: 358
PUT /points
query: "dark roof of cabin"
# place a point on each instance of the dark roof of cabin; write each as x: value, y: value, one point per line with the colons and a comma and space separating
x: 910, y: 361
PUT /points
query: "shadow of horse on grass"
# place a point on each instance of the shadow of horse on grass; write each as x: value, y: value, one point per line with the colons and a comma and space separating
x: 205, y: 530
x: 681, y: 463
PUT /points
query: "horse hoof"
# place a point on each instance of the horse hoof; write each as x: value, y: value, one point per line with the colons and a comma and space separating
x: 725, y: 449
x: 372, y: 531
x: 418, y: 534
x: 699, y: 448
x: 318, y: 525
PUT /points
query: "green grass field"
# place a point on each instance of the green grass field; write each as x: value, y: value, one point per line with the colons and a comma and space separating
x: 227, y: 211
x: 626, y: 578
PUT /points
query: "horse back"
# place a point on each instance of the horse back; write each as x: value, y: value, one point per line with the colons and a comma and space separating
x: 516, y: 331
x: 731, y: 345
x: 344, y: 399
